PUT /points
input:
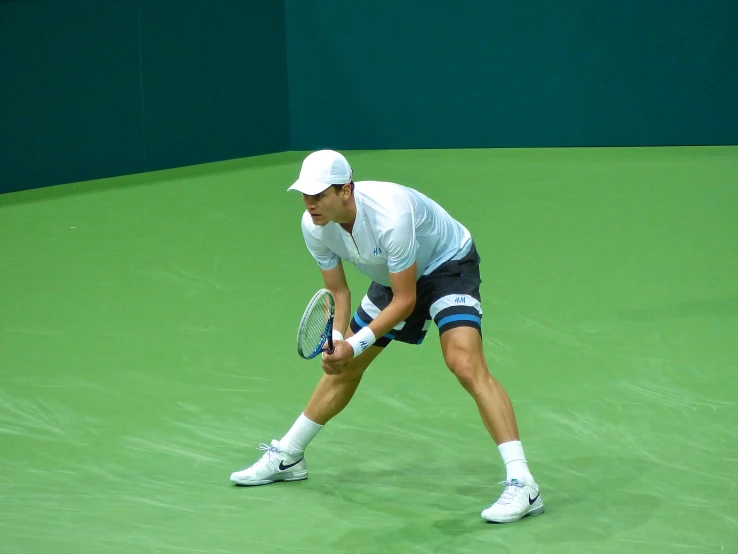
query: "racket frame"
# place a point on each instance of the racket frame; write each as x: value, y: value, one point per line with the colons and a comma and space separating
x: 327, y: 335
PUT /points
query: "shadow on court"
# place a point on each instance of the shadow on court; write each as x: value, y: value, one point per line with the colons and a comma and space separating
x: 587, y: 499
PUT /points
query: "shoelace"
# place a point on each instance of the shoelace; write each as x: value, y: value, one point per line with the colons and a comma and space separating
x: 269, y: 450
x: 509, y: 494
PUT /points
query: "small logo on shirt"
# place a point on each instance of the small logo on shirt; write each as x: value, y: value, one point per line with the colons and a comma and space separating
x: 377, y: 251
x: 460, y: 300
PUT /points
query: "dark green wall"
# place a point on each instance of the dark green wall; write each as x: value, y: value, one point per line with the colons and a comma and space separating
x: 96, y: 89
x: 437, y: 74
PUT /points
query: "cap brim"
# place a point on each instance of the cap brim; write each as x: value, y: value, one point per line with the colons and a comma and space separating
x: 308, y: 187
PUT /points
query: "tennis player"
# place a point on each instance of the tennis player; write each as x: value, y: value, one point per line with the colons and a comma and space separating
x: 424, y: 268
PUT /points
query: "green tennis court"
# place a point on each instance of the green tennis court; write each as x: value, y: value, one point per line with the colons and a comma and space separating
x: 147, y: 347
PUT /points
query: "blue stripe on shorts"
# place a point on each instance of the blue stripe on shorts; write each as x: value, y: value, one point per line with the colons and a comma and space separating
x: 460, y: 317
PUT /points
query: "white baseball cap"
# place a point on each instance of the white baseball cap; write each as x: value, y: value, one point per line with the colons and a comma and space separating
x: 320, y: 170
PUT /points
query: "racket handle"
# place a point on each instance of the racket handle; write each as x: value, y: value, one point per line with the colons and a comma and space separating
x: 334, y: 335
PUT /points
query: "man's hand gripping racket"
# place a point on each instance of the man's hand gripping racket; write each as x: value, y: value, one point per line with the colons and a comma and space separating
x: 315, y: 334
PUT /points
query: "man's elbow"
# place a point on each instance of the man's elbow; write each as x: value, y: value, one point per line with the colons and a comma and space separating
x: 408, y: 305
x: 343, y: 293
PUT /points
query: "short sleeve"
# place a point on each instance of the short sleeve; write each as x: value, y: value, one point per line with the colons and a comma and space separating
x: 326, y: 258
x: 400, y: 243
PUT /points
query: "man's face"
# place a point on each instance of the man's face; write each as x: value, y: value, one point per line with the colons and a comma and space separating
x: 325, y: 206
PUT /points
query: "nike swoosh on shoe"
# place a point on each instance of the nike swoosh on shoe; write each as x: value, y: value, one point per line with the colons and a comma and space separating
x: 283, y: 467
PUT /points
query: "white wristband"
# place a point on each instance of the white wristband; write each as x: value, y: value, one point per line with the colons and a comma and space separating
x: 361, y: 340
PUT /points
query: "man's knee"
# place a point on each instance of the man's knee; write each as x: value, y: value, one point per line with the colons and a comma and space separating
x: 356, y: 367
x: 466, y: 363
x: 462, y: 366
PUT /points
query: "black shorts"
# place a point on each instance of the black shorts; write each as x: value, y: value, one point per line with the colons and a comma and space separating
x: 449, y: 296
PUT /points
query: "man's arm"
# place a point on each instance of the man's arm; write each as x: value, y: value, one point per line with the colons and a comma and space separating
x: 403, y: 285
x: 402, y: 305
x: 335, y: 281
x: 401, y: 247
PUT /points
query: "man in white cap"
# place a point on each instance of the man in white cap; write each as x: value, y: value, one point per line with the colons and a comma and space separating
x: 424, y: 269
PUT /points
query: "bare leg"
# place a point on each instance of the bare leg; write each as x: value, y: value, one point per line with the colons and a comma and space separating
x: 284, y: 459
x: 333, y: 392
x: 464, y: 355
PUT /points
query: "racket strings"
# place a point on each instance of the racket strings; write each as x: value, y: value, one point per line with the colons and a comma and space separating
x: 314, y: 327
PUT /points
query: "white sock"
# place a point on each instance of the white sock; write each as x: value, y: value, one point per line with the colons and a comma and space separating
x: 515, y: 462
x: 299, y: 436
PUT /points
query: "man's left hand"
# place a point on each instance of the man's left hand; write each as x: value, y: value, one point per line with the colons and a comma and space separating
x: 334, y: 363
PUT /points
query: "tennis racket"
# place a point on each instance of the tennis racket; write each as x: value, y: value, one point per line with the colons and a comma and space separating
x: 316, y: 326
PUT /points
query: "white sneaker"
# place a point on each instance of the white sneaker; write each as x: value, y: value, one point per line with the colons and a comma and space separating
x: 517, y: 501
x: 274, y: 465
